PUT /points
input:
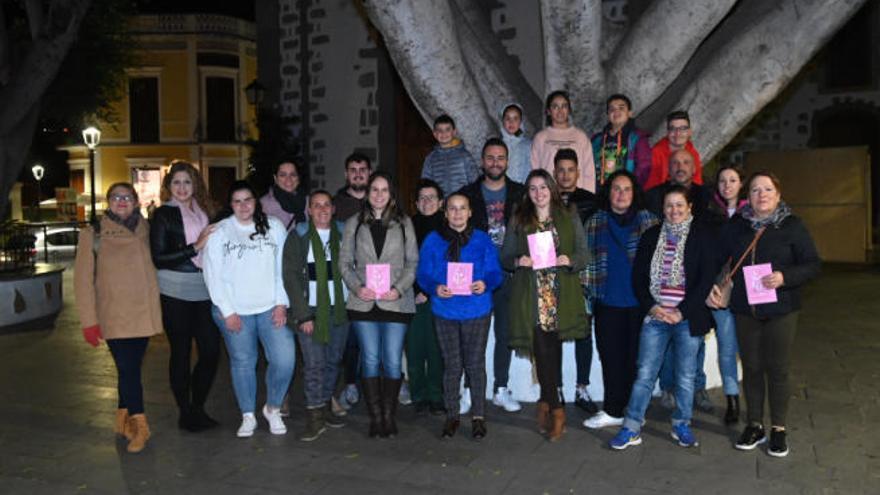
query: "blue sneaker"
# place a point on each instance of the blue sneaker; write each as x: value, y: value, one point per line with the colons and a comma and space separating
x: 682, y: 433
x: 624, y: 438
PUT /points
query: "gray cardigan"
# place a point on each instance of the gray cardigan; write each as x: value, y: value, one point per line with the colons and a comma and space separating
x: 355, y: 254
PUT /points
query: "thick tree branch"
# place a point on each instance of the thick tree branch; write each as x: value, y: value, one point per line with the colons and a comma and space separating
x: 659, y: 44
x: 34, y: 9
x: 572, y: 53
x: 498, y: 78
x: 752, y: 68
x: 38, y: 69
x: 423, y: 44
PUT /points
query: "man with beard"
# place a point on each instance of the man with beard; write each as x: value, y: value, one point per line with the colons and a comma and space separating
x: 681, y: 172
x: 347, y: 203
x: 348, y: 199
x: 493, y: 198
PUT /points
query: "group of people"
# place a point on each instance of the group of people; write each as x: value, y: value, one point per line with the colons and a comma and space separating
x: 543, y: 237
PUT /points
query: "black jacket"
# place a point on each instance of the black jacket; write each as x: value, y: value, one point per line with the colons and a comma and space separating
x: 698, y: 194
x: 789, y: 249
x: 168, y: 241
x: 699, y: 268
x: 583, y: 201
x: 474, y: 191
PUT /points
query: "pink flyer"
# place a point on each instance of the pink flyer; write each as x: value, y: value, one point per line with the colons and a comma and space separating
x: 755, y: 290
x: 541, y: 250
x: 379, y: 278
x: 459, y: 277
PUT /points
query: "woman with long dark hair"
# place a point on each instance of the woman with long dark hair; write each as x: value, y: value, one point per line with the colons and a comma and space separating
x: 549, y: 304
x: 613, y: 235
x: 380, y: 240
x: 242, y: 266
x: 117, y: 298
x: 179, y: 231
x: 562, y: 133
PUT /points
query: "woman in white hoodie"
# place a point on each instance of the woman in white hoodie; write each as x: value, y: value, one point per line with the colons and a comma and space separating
x: 242, y: 266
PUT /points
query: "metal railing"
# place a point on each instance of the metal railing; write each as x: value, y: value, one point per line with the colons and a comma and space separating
x: 23, y: 244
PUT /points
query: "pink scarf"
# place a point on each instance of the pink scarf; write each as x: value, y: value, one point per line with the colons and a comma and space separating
x: 194, y: 221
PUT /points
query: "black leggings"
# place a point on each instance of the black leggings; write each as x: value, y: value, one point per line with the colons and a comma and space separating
x: 185, y: 321
x: 617, y: 339
x: 765, y: 350
x: 128, y: 354
x: 548, y: 356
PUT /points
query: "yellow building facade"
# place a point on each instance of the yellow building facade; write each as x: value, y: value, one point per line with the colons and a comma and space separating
x: 184, y: 101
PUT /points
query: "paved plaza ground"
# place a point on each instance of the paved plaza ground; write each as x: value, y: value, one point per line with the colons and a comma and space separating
x: 58, y: 396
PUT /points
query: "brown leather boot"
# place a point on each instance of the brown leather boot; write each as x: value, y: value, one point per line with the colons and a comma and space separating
x: 138, y: 423
x: 557, y: 427
x: 543, y: 417
x: 121, y: 426
x: 372, y: 390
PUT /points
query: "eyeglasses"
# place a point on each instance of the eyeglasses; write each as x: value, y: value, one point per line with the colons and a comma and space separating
x: 428, y: 197
x: 681, y: 128
x: 128, y: 198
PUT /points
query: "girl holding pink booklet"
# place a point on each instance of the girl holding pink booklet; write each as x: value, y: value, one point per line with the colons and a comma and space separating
x: 458, y: 266
x: 548, y: 301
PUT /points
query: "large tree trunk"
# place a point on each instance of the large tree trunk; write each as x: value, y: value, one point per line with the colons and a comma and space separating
x: 20, y: 93
x: 721, y: 60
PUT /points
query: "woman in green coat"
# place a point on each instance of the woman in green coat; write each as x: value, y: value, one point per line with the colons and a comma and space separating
x: 551, y: 303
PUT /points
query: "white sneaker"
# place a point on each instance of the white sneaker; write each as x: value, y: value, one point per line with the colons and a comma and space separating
x: 465, y: 402
x: 503, y: 398
x: 602, y: 420
x: 403, y: 397
x: 276, y: 424
x: 248, y: 425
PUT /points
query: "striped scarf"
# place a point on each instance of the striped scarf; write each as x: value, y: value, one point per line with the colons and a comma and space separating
x: 667, y: 264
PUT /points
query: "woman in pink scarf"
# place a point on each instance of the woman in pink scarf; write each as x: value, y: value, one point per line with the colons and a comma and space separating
x: 179, y: 230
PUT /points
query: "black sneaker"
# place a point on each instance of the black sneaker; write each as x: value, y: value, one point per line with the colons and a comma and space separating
x: 478, y: 429
x: 583, y: 400
x: 751, y: 437
x: 778, y: 446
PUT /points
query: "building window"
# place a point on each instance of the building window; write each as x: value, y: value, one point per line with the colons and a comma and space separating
x: 220, y: 109
x: 143, y: 109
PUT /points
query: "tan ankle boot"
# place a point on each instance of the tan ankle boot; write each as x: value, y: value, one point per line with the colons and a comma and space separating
x: 141, y: 433
x: 543, y: 417
x: 557, y: 424
x: 121, y: 426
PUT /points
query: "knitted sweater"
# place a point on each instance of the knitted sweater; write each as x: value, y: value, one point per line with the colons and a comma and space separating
x: 550, y: 140
x: 452, y: 167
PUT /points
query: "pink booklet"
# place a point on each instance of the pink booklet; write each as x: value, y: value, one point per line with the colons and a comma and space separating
x: 756, y: 293
x: 459, y: 277
x: 541, y: 250
x: 379, y: 278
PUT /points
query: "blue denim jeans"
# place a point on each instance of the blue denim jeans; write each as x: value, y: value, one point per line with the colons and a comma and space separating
x: 655, y: 338
x: 667, y: 371
x: 725, y: 334
x: 321, y: 364
x: 280, y: 350
x: 381, y: 345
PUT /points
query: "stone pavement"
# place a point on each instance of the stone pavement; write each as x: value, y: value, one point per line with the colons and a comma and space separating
x: 57, y: 399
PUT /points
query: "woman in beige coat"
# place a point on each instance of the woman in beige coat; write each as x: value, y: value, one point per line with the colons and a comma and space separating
x: 118, y: 301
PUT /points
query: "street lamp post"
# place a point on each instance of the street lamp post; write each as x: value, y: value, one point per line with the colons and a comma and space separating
x: 38, y: 172
x: 92, y: 136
